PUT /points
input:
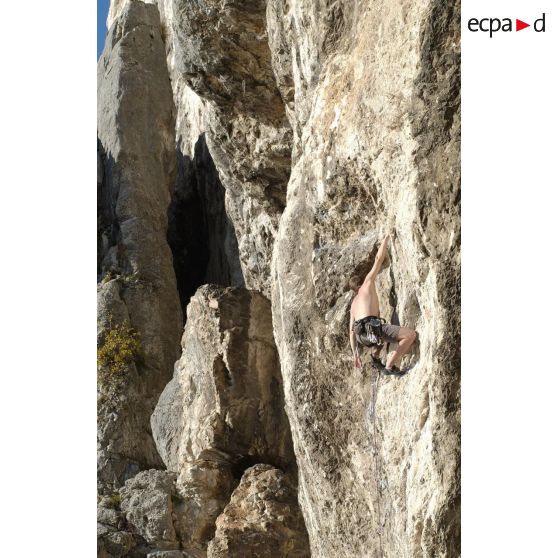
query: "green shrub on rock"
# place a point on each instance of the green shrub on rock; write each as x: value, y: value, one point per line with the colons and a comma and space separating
x: 118, y: 349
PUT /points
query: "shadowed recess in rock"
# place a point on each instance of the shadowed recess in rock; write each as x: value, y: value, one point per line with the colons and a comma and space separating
x: 200, y: 234
x: 108, y: 229
x: 242, y: 464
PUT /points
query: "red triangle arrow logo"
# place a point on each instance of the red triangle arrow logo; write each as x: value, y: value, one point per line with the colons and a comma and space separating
x: 519, y: 25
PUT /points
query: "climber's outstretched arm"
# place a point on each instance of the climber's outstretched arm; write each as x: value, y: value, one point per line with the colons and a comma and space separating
x: 380, y: 257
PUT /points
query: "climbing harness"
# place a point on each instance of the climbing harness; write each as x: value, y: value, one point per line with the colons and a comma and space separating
x: 368, y: 332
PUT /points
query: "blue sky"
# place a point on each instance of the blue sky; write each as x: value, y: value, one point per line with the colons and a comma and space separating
x: 102, y: 12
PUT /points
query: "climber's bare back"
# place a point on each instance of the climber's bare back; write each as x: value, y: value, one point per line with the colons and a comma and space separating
x: 366, y: 301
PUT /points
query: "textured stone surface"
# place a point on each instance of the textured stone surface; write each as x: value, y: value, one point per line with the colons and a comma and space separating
x: 224, y: 86
x: 376, y: 122
x: 220, y: 51
x: 223, y: 409
x: 146, y: 501
x: 204, y: 488
x: 137, y: 165
x: 262, y: 520
x: 117, y: 544
x: 118, y: 6
x: 225, y: 399
x: 114, y: 537
x: 356, y: 107
x: 168, y: 554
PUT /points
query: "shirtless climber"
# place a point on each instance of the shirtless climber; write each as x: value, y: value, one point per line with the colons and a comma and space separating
x: 365, y: 326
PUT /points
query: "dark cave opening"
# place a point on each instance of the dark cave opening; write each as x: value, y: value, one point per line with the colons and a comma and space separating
x: 200, y: 234
x: 245, y: 462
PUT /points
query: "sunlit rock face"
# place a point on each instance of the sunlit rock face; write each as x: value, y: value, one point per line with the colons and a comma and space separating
x: 137, y: 285
x: 376, y: 143
x: 329, y: 125
x: 224, y: 85
x: 226, y: 397
x: 224, y: 408
x: 262, y: 520
x: 221, y: 53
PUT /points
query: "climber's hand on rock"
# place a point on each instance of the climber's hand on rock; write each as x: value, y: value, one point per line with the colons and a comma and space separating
x: 358, y: 363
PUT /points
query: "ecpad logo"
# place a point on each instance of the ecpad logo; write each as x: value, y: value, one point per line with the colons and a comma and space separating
x: 493, y: 25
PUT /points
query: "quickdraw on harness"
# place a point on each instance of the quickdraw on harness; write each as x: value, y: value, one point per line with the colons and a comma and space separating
x: 368, y: 332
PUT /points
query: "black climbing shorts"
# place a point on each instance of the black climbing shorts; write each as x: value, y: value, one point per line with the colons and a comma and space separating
x: 390, y: 333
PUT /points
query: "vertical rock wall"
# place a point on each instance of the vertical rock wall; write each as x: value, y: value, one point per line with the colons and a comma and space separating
x: 222, y: 412
x: 376, y: 121
x: 220, y: 66
x: 137, y: 288
x: 329, y: 124
x: 220, y: 52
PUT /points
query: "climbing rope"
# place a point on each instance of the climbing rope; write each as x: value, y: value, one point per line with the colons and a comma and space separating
x: 372, y: 417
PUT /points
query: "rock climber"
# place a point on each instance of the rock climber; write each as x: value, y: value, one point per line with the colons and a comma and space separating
x: 366, y: 328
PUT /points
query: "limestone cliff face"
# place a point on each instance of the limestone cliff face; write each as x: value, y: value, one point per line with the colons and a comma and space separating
x: 376, y: 120
x: 294, y: 134
x: 223, y: 55
x: 224, y: 408
x: 224, y: 85
x: 262, y: 520
x: 137, y: 286
x: 226, y: 398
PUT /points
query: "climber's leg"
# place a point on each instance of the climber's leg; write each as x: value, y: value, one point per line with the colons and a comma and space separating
x: 405, y: 338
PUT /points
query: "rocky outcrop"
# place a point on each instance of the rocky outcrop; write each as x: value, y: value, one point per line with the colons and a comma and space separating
x: 139, y: 313
x: 376, y: 120
x: 224, y: 409
x: 329, y: 125
x: 262, y: 520
x: 204, y: 487
x: 113, y: 538
x: 143, y: 518
x: 226, y: 397
x: 146, y: 501
x: 224, y: 86
x: 220, y: 51
x: 225, y: 405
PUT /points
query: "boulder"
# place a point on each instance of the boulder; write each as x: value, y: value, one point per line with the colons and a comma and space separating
x: 225, y: 401
x: 204, y: 488
x: 223, y: 410
x: 146, y: 501
x: 262, y: 520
